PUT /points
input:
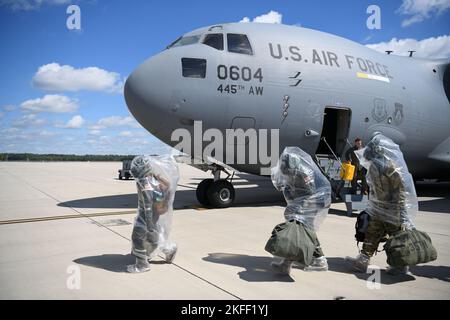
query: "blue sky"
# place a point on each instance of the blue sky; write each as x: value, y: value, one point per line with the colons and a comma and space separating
x: 44, y: 109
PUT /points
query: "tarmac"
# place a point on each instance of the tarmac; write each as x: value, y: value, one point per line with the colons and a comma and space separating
x: 65, y: 230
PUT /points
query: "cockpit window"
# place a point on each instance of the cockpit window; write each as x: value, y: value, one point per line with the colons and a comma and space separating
x: 214, y: 40
x: 193, y: 68
x: 184, y: 41
x: 238, y: 43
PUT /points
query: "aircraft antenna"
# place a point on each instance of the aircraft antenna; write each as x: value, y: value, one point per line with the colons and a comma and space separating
x: 389, y: 51
x: 411, y: 53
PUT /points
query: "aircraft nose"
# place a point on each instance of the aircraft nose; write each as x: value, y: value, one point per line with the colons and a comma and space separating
x: 145, y: 96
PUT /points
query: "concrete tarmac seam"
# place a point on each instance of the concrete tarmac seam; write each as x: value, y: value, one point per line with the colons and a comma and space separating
x: 68, y: 216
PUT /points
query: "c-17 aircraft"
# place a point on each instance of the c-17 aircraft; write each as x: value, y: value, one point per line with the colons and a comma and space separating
x: 318, y: 89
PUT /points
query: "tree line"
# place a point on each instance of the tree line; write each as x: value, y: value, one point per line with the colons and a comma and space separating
x: 62, y: 157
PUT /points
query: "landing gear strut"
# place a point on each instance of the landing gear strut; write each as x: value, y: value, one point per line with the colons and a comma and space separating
x: 217, y: 192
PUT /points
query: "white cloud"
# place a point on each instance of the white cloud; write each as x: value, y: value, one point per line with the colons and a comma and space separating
x: 54, y: 77
x: 368, y: 38
x: 9, y: 107
x: 431, y: 48
x: 125, y: 134
x: 94, y: 132
x: 45, y: 133
x: 420, y: 10
x: 75, y: 123
x: 96, y: 127
x: 29, y: 120
x: 51, y: 103
x: 30, y: 4
x: 9, y: 130
x: 116, y: 121
x: 271, y: 17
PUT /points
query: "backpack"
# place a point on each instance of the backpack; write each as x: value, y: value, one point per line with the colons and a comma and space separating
x: 362, y: 222
x: 408, y: 248
x: 293, y: 241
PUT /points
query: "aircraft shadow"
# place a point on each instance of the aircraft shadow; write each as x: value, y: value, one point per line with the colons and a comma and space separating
x: 440, y: 190
x: 263, y: 194
x: 257, y: 269
x: 433, y: 272
x: 437, y: 205
x: 111, y: 262
x: 338, y: 264
x: 119, y: 201
x: 183, y: 199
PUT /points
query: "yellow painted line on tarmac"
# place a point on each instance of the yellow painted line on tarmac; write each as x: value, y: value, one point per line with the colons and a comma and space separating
x: 196, y: 207
x: 200, y: 208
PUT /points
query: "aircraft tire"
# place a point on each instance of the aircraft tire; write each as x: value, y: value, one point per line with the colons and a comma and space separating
x: 201, y: 191
x: 220, y: 194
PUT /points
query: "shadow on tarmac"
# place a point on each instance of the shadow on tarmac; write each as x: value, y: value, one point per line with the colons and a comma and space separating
x: 183, y: 199
x: 433, y: 272
x: 257, y: 269
x: 119, y: 201
x: 263, y: 194
x: 338, y: 264
x: 440, y: 190
x: 111, y: 262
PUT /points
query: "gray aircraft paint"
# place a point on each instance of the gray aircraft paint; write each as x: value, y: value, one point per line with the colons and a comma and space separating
x: 403, y: 97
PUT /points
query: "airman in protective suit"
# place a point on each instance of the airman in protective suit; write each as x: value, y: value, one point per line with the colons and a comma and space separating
x: 392, y: 200
x: 308, y: 195
x: 156, y: 180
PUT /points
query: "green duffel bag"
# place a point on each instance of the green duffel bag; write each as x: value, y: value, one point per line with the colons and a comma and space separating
x: 293, y: 241
x: 408, y: 248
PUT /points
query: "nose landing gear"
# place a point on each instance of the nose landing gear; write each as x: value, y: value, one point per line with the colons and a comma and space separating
x: 217, y: 192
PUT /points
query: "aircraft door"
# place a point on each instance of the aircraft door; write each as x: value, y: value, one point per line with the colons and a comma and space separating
x: 335, y: 130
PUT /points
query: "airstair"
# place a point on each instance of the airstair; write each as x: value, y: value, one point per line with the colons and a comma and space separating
x: 331, y: 165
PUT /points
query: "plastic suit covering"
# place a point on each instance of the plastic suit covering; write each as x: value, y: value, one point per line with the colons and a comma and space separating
x: 392, y: 197
x: 156, y: 180
x: 306, y: 190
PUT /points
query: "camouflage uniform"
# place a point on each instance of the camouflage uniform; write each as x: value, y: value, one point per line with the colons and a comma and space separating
x: 156, y: 179
x: 146, y: 231
x: 392, y: 200
x: 308, y: 196
x: 388, y: 188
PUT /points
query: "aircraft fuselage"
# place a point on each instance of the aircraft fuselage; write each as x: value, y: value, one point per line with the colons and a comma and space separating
x: 290, y: 81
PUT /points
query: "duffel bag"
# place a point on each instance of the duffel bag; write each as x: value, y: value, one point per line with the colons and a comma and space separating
x: 293, y: 241
x: 408, y: 248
